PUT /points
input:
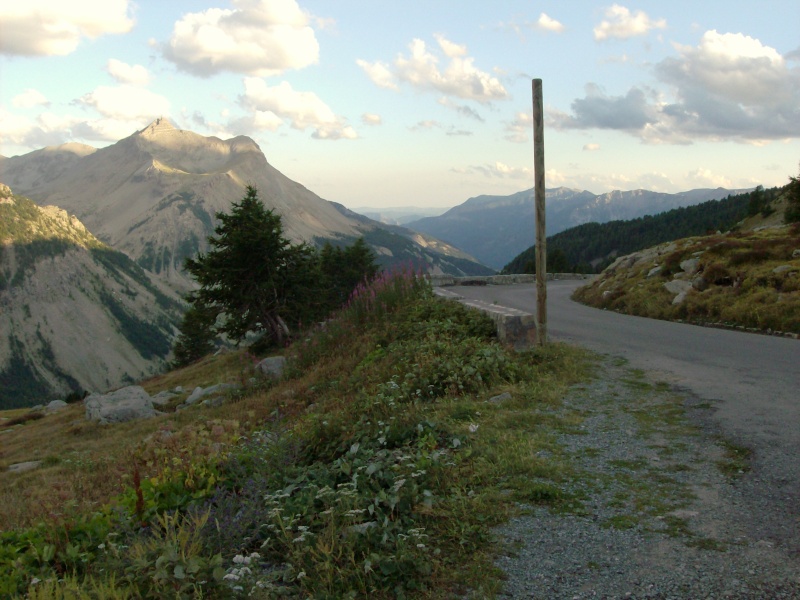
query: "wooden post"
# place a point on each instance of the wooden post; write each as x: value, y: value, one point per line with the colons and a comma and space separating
x: 539, y: 195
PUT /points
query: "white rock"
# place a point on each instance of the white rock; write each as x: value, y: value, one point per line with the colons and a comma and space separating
x: 126, y: 404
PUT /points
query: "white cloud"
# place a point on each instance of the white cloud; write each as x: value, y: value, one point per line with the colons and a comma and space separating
x: 303, y: 109
x: 30, y: 98
x: 728, y: 87
x: 257, y: 37
x: 421, y: 69
x: 126, y: 103
x: 622, y: 24
x: 499, y: 170
x: 520, y: 128
x: 107, y: 129
x: 706, y: 178
x: 379, y: 73
x: 47, y: 129
x: 591, y: 147
x: 546, y: 23
x: 371, y: 119
x: 56, y: 27
x: 125, y: 73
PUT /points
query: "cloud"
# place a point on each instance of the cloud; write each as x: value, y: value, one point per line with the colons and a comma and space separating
x: 728, y: 87
x: 303, y: 109
x: 106, y: 130
x: 426, y: 125
x: 520, y: 128
x: 125, y: 103
x: 56, y: 27
x: 545, y: 23
x: 421, y: 70
x: 622, y: 24
x: 125, y: 73
x: 30, y: 98
x: 597, y: 110
x: 705, y: 178
x: 371, y: 119
x: 379, y: 73
x: 257, y: 37
x: 498, y: 170
x: 591, y: 147
x: 461, y: 109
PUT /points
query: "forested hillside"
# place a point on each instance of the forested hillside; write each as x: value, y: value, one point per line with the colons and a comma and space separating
x: 591, y: 247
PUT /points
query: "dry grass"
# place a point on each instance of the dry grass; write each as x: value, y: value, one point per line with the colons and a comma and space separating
x: 742, y: 287
x: 85, y: 464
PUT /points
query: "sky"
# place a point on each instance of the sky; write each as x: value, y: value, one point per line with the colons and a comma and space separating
x: 373, y: 103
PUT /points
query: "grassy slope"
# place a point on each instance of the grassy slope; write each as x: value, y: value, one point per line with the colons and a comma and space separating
x: 750, y: 278
x: 386, y: 409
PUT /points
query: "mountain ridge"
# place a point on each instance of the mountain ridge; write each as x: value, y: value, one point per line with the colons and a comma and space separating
x: 495, y: 229
x: 155, y: 194
x: 78, y: 315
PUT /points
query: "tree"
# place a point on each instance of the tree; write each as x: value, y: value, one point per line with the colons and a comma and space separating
x: 197, y: 334
x: 252, y: 276
x: 792, y: 214
x: 341, y: 270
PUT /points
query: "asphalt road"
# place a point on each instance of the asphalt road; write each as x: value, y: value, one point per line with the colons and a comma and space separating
x: 751, y: 380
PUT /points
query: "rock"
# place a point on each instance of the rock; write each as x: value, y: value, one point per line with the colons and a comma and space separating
x: 699, y: 283
x: 126, y: 404
x: 796, y: 253
x: 679, y: 287
x: 178, y: 389
x: 690, y: 266
x: 214, y: 402
x: 272, y: 366
x: 782, y: 269
x: 196, y: 394
x: 55, y: 406
x: 162, y: 398
x: 199, y: 393
x: 24, y: 466
x: 654, y: 271
x: 504, y: 397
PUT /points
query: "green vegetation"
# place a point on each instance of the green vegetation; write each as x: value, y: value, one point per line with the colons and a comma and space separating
x: 254, y: 280
x: 375, y: 468
x: 148, y: 338
x: 20, y: 381
x: 591, y: 247
x: 747, y: 280
x: 792, y: 213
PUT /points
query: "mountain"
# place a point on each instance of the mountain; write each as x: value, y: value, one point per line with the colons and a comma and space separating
x: 154, y: 196
x: 593, y: 246
x: 494, y: 229
x: 399, y: 215
x: 77, y: 315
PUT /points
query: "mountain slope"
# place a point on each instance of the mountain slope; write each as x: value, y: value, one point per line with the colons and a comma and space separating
x: 76, y: 314
x: 154, y: 195
x: 494, y: 229
x: 595, y: 245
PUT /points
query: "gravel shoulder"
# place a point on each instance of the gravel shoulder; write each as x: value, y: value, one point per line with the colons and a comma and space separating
x: 662, y: 508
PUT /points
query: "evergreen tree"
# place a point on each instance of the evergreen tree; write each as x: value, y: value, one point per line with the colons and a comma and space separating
x: 792, y: 214
x: 197, y: 334
x: 253, y: 276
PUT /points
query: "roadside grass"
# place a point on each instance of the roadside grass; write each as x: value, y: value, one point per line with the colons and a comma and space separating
x: 377, y: 467
x: 749, y: 279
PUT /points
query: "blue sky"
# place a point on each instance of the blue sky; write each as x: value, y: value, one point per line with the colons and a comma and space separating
x: 426, y: 103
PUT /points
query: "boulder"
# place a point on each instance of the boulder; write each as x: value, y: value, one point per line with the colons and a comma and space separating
x: 200, y: 393
x: 24, y: 466
x: 654, y: 271
x: 679, y: 287
x: 162, y: 398
x: 55, y: 406
x: 782, y: 269
x: 126, y: 404
x: 272, y: 366
x: 690, y: 266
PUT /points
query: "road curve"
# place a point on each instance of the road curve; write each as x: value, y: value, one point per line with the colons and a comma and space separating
x: 753, y: 382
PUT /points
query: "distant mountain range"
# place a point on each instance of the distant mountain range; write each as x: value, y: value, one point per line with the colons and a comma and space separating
x: 495, y: 229
x: 77, y: 315
x: 154, y: 196
x: 399, y: 215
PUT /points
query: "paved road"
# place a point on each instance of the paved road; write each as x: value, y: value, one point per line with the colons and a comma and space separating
x: 752, y: 380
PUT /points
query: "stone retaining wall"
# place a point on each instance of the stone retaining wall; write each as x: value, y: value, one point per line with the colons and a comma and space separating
x: 449, y: 280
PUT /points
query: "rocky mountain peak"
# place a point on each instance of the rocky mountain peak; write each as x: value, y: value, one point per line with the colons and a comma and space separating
x: 160, y: 125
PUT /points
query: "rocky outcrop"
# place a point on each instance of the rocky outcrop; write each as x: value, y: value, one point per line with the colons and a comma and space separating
x: 126, y: 404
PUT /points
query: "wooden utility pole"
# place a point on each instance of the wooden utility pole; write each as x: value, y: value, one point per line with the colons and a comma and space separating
x: 539, y: 194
